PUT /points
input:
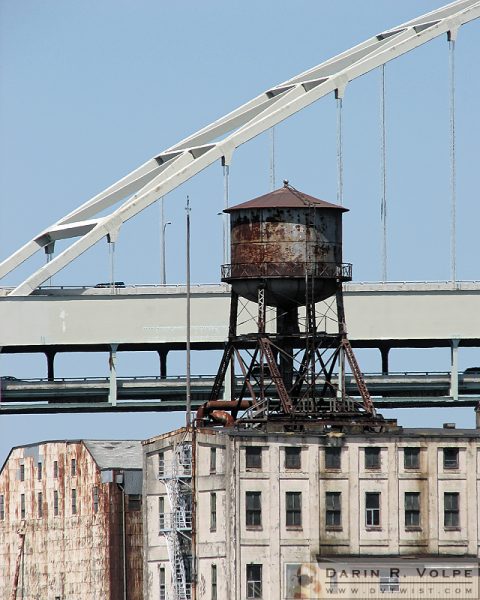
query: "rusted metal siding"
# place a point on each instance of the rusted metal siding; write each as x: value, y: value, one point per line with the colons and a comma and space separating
x: 68, y: 554
x: 278, y: 247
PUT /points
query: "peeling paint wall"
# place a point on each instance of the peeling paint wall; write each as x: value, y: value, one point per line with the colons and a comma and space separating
x: 73, y: 546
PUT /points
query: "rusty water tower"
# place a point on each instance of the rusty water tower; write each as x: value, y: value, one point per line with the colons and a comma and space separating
x: 286, y: 253
x: 283, y: 240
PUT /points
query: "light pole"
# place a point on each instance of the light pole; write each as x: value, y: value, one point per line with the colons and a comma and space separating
x: 164, y: 268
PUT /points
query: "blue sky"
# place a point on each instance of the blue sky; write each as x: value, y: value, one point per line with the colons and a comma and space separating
x: 90, y: 90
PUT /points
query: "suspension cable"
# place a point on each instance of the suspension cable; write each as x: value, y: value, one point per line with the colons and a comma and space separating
x: 272, y: 159
x: 339, y: 150
x: 226, y: 173
x: 383, y: 173
x: 453, y: 165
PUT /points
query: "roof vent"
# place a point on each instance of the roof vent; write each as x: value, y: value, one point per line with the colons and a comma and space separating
x: 449, y: 425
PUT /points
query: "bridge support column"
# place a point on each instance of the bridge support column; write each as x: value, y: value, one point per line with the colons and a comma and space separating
x: 162, y: 355
x: 50, y: 355
x: 384, y: 350
x: 112, y: 362
x: 454, y: 368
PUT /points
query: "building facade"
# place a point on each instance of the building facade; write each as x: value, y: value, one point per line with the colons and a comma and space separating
x: 264, y: 503
x: 71, y: 521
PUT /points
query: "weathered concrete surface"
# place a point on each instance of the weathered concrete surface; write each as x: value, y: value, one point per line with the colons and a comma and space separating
x: 153, y: 317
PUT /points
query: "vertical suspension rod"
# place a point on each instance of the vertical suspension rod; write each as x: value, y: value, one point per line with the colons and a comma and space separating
x: 272, y: 159
x: 383, y: 170
x: 189, y: 393
x: 453, y: 166
x: 339, y: 148
x: 226, y: 174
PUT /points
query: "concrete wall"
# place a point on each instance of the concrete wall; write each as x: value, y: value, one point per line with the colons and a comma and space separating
x: 233, y: 545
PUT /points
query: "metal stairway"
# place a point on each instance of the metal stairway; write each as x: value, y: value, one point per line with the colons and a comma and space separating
x: 177, y: 525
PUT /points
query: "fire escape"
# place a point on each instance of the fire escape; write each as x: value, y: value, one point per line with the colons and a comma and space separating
x: 176, y: 525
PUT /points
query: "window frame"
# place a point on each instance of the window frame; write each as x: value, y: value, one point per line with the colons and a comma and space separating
x: 373, y: 513
x: 40, y: 505
x: 214, y: 582
x: 451, y: 511
x: 254, y: 577
x: 39, y: 470
x: 55, y: 469
x: 334, y: 510
x: 2, y: 507
x: 162, y: 583
x: 293, y: 458
x: 56, y: 503
x: 213, y: 511
x: 253, y: 509
x: 373, y: 455
x: 451, y: 464
x: 74, y: 501
x: 22, y: 471
x: 161, y: 464
x: 213, y: 459
x: 411, y: 454
x: 95, y: 499
x: 161, y: 513
x: 23, y: 508
x: 73, y: 467
x: 412, y: 510
x: 333, y: 454
x: 253, y: 458
x: 293, y: 510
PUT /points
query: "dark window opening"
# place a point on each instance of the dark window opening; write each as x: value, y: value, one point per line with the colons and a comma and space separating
x: 253, y: 501
x: 253, y: 457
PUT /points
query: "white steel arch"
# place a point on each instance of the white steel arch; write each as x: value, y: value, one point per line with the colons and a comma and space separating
x: 172, y: 167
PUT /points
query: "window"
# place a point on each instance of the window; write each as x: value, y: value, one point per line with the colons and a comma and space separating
x: 372, y: 509
x: 22, y: 506
x: 161, y: 512
x: 213, y: 460
x: 163, y: 588
x: 333, y: 509
x: 412, y: 509
x: 293, y: 458
x: 333, y: 458
x: 450, y: 458
x: 55, y: 469
x: 73, y: 467
x: 253, y: 509
x: 372, y: 458
x: 74, y: 501
x: 40, y: 505
x: 254, y: 581
x: 293, y: 504
x: 213, y: 511
x: 39, y: 471
x: 55, y: 503
x: 95, y: 499
x: 411, y: 458
x: 253, y: 457
x: 134, y: 502
x: 214, y: 582
x: 451, y: 509
x: 2, y: 507
x: 161, y: 464
x: 22, y: 472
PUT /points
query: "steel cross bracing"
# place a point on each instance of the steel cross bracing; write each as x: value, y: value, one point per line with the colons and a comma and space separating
x: 172, y: 167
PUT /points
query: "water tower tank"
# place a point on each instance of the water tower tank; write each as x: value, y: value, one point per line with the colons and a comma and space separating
x: 279, y: 239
